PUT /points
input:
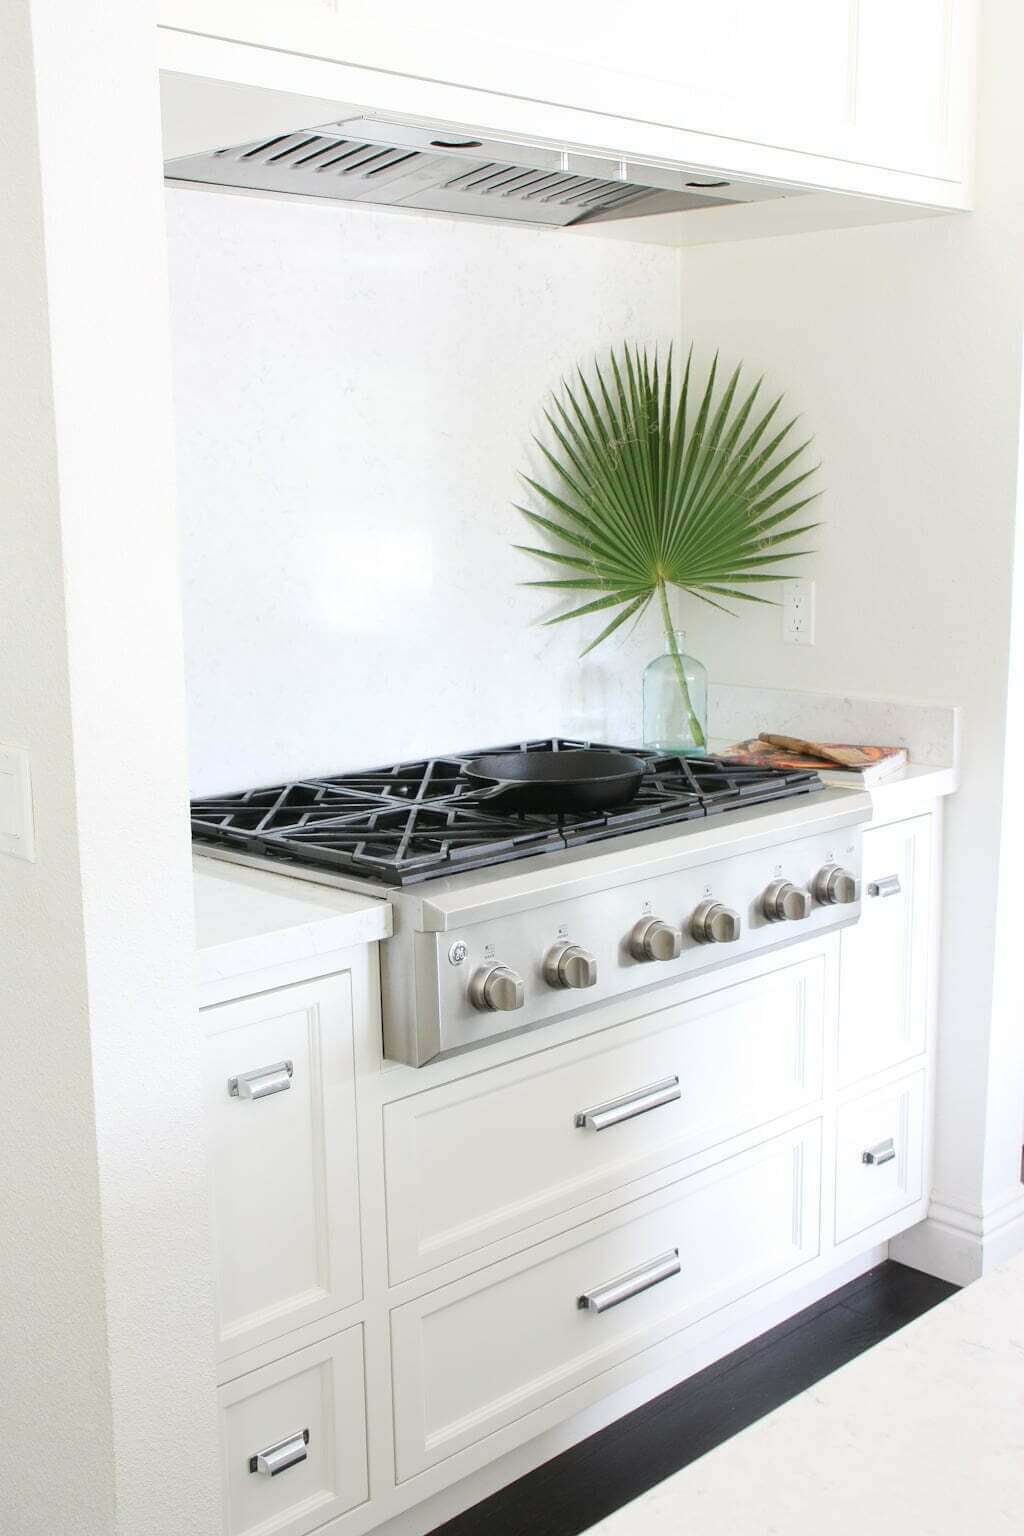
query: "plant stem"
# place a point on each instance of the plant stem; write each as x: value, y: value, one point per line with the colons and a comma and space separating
x: 696, y: 729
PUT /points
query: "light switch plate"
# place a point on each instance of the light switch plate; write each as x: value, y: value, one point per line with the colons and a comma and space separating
x: 17, y: 831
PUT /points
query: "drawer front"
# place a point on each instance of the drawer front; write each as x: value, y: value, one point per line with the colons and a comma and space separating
x: 487, y: 1350
x: 490, y: 1155
x: 294, y: 1440
x: 879, y: 1155
x: 280, y: 1107
x: 883, y: 1006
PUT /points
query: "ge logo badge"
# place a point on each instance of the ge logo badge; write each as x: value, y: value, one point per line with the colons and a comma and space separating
x: 458, y: 952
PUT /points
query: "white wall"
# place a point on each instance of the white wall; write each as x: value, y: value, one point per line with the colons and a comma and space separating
x: 107, y: 1409
x: 901, y: 347
x: 355, y: 393
x: 52, y: 1334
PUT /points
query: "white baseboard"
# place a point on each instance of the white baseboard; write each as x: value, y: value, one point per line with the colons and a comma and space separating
x: 961, y: 1246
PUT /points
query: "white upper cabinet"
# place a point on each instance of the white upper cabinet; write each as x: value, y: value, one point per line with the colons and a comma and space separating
x: 870, y: 83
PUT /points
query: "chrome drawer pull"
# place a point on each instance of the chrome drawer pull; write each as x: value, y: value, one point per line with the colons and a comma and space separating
x: 882, y: 1152
x: 616, y: 1110
x: 261, y: 1083
x: 278, y: 1458
x: 631, y: 1284
x: 888, y: 885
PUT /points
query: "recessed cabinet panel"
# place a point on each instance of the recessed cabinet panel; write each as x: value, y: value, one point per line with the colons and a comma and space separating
x: 485, y: 1351
x: 879, y: 1155
x: 281, y: 1115
x: 883, y: 1009
x: 904, y: 92
x: 857, y: 80
x: 497, y: 1151
x: 294, y: 1440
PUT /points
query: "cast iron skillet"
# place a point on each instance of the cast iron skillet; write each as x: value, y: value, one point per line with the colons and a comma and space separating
x: 554, y: 782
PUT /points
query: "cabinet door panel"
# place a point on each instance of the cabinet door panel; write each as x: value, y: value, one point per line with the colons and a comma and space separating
x: 883, y: 992
x: 283, y: 1159
x: 879, y: 1155
x: 857, y: 80
x: 294, y: 1440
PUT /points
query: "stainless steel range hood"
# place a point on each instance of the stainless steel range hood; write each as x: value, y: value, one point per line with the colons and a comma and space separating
x: 373, y: 160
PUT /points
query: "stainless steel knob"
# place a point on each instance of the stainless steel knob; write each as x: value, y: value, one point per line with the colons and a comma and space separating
x: 713, y: 923
x: 569, y: 965
x: 835, y: 886
x: 784, y: 902
x: 652, y: 939
x: 496, y: 989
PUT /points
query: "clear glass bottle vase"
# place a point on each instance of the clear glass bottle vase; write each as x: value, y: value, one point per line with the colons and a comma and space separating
x: 676, y: 701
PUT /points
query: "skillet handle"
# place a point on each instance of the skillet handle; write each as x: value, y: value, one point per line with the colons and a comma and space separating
x: 495, y: 788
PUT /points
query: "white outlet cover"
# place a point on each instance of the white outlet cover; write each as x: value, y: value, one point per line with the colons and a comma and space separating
x: 798, y: 612
x: 17, y: 830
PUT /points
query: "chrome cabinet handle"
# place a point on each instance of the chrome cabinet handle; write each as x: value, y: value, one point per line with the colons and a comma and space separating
x: 631, y: 1284
x: 616, y: 1110
x: 887, y: 885
x: 881, y: 1152
x: 261, y: 1083
x: 278, y: 1458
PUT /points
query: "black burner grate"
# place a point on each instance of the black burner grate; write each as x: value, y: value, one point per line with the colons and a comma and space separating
x: 416, y: 820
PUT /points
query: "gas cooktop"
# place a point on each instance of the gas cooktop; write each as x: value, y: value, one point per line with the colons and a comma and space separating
x: 414, y: 821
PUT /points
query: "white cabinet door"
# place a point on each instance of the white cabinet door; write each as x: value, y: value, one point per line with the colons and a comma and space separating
x: 883, y: 988
x: 499, y: 1151
x: 860, y: 80
x: 280, y: 1105
x: 294, y: 1440
x: 484, y: 1352
x: 879, y: 1155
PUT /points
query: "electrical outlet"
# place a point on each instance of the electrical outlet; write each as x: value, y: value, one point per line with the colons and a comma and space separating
x: 798, y: 612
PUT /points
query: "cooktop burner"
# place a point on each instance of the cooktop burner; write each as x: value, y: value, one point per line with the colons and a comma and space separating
x: 415, y: 821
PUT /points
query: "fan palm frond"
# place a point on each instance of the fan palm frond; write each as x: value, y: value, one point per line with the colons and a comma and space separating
x: 654, y: 488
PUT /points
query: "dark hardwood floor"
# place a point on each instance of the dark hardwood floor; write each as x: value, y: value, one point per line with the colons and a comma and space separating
x: 581, y: 1486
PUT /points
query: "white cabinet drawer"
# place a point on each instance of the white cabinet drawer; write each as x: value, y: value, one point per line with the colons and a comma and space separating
x: 280, y: 1108
x: 294, y: 1440
x: 883, y: 1006
x: 485, y: 1351
x: 491, y: 1154
x: 879, y: 1155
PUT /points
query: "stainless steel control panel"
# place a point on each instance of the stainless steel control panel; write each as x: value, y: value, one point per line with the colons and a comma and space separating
x: 519, y: 969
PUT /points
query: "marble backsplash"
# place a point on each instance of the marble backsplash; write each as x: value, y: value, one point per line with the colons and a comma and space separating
x: 355, y: 393
x: 930, y: 732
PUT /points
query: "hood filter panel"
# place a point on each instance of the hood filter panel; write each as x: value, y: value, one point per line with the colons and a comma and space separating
x: 323, y: 164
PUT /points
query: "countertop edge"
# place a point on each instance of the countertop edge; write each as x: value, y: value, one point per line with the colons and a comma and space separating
x: 284, y: 922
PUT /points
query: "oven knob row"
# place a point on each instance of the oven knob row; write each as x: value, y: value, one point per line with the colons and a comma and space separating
x: 496, y: 989
x: 571, y: 966
x: 832, y: 886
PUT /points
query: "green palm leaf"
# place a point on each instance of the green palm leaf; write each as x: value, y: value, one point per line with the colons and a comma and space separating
x: 651, y: 493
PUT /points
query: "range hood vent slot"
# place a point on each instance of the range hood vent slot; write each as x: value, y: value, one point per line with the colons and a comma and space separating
x: 446, y: 172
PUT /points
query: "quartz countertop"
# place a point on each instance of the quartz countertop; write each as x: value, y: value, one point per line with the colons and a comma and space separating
x: 924, y: 1433
x: 247, y: 919
x: 909, y: 787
